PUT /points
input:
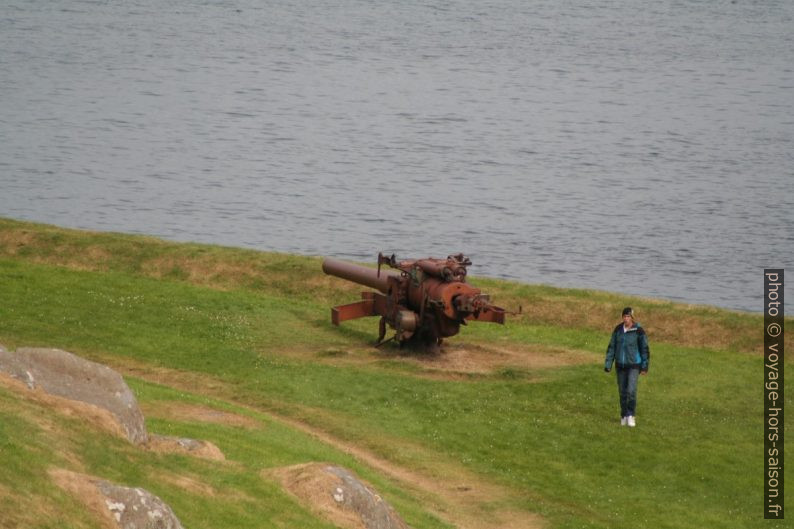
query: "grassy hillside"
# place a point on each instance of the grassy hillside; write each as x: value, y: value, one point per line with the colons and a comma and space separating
x: 512, y: 426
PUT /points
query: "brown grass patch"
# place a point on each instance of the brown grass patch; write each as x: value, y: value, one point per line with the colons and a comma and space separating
x: 191, y: 484
x: 188, y: 412
x: 675, y: 323
x: 96, y: 254
x: 197, y: 486
x: 186, y: 380
x: 456, y: 360
x: 489, y: 359
x: 4, y: 491
x: 699, y: 327
x: 310, y: 484
x: 97, y: 417
x: 22, y: 510
x: 12, y: 240
x: 175, y: 445
x: 83, y: 488
x: 44, y: 251
x: 200, y: 270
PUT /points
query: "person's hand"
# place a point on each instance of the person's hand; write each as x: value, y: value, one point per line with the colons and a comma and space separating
x: 644, y: 372
x: 607, y: 370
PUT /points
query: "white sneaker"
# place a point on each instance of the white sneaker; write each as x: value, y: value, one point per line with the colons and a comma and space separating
x: 623, y: 421
x: 630, y: 421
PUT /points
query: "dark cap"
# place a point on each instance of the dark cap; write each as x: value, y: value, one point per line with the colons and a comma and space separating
x: 628, y: 311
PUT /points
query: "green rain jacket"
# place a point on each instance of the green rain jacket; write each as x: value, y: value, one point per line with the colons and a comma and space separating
x: 628, y: 348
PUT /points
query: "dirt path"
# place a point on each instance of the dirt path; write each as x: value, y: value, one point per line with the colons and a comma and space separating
x: 452, y: 493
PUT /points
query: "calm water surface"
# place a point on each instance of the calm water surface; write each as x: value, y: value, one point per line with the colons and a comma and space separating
x: 645, y: 147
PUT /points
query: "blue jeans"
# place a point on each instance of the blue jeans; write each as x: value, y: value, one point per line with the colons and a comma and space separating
x: 627, y: 388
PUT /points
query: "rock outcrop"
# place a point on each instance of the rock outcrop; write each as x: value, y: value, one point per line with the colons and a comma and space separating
x: 340, y: 496
x: 77, y: 386
x: 66, y: 375
x: 116, y: 505
x: 184, y: 445
x: 135, y: 508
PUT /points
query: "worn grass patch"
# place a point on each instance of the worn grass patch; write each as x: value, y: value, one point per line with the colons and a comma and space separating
x: 47, y: 449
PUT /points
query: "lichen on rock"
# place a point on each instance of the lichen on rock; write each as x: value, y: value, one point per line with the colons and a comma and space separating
x: 115, y: 505
x: 136, y: 508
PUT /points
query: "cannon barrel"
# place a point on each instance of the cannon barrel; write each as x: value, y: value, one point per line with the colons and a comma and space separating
x: 358, y: 274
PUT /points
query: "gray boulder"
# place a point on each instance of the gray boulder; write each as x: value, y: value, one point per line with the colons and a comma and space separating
x: 135, y: 508
x: 338, y: 495
x: 116, y: 505
x: 66, y: 375
x: 375, y: 513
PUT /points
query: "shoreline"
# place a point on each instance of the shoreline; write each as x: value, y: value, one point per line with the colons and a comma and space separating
x: 6, y: 222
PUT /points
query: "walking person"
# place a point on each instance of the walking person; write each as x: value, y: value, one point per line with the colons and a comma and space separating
x: 628, y: 348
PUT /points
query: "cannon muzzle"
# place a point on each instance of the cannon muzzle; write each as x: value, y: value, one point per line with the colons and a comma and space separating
x: 358, y: 274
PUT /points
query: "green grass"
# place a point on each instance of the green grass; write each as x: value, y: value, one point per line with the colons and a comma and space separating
x: 240, y: 497
x: 258, y: 325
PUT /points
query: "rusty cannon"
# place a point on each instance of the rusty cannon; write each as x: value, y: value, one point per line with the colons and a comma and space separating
x: 423, y: 300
